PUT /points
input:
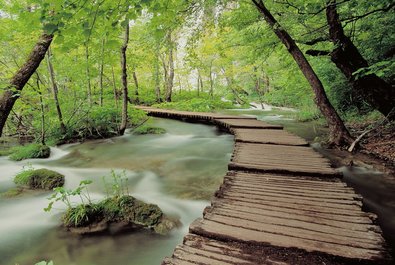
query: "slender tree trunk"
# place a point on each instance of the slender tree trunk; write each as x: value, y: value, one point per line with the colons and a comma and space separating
x: 101, y: 71
x: 258, y: 87
x: 170, y: 80
x: 378, y: 93
x: 136, y: 90
x: 211, y: 81
x: 12, y: 91
x: 55, y: 92
x: 88, y: 74
x: 200, y: 83
x: 42, y: 110
x: 124, y: 121
x: 157, y: 78
x: 114, y: 86
x: 339, y: 134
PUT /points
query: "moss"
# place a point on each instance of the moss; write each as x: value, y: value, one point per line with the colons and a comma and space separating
x: 83, y: 215
x: 14, y: 192
x: 40, y: 179
x: 19, y: 153
x: 149, y: 130
x: 126, y: 210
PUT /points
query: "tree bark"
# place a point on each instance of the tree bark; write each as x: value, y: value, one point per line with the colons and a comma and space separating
x: 211, y: 81
x: 170, y: 78
x: 55, y: 92
x: 124, y: 121
x: 114, y: 86
x: 136, y: 90
x: 157, y: 79
x: 338, y: 134
x: 101, y: 71
x: 12, y: 92
x: 88, y: 74
x: 378, y: 93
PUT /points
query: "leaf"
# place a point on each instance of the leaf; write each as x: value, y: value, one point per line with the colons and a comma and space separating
x: 50, y: 28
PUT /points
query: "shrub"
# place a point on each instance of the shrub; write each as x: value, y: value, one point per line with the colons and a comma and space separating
x: 19, y: 153
x: 39, y: 179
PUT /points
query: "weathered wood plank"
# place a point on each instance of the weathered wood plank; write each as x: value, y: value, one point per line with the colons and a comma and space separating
x: 267, y: 136
x: 245, y: 123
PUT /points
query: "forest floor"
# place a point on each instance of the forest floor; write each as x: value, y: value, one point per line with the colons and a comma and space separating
x: 376, y: 149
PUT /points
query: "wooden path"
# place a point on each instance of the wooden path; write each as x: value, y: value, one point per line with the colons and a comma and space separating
x: 280, y: 203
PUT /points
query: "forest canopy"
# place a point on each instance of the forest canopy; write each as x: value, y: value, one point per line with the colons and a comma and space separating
x: 62, y: 75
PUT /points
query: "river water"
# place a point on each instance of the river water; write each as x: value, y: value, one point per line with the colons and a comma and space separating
x: 179, y: 171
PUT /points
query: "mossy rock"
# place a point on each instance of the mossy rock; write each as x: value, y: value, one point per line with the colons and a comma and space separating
x: 19, y: 153
x: 149, y: 130
x: 40, y: 179
x: 117, y: 214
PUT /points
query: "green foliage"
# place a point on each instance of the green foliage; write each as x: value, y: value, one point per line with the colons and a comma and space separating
x: 117, y: 186
x: 82, y: 215
x: 19, y: 153
x: 39, y: 179
x: 64, y: 195
x: 190, y: 102
x: 146, y: 129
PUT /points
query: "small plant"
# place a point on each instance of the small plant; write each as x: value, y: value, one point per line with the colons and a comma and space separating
x: 64, y: 195
x: 117, y: 186
x: 19, y: 153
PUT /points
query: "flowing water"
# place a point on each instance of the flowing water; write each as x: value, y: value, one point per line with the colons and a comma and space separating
x: 179, y: 171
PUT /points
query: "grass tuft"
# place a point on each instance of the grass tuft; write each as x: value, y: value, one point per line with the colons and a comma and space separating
x: 19, y: 153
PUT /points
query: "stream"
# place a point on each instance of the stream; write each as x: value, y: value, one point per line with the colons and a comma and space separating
x: 179, y: 171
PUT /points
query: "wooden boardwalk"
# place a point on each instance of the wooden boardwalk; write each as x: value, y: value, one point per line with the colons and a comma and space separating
x: 280, y: 203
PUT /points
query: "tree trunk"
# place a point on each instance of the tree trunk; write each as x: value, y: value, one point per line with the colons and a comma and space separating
x: 258, y: 87
x: 211, y: 81
x: 12, y: 92
x: 170, y: 78
x: 55, y: 92
x: 88, y: 75
x: 378, y: 93
x: 136, y: 90
x: 124, y: 121
x: 101, y: 71
x: 338, y: 133
x: 42, y: 110
x: 157, y: 78
x: 114, y: 86
x: 200, y: 84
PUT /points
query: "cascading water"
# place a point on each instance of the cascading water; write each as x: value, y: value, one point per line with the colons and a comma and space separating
x: 178, y: 171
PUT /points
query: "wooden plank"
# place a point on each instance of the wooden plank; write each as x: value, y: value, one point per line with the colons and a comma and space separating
x: 213, y: 229
x: 245, y: 123
x: 267, y: 136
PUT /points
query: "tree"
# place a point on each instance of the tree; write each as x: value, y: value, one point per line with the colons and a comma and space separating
x: 55, y: 92
x: 12, y: 92
x: 124, y: 79
x: 349, y: 60
x: 339, y: 134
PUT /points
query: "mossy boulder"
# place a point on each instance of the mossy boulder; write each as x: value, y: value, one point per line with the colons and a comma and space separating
x: 149, y: 130
x: 40, y: 179
x: 19, y: 153
x: 117, y: 214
